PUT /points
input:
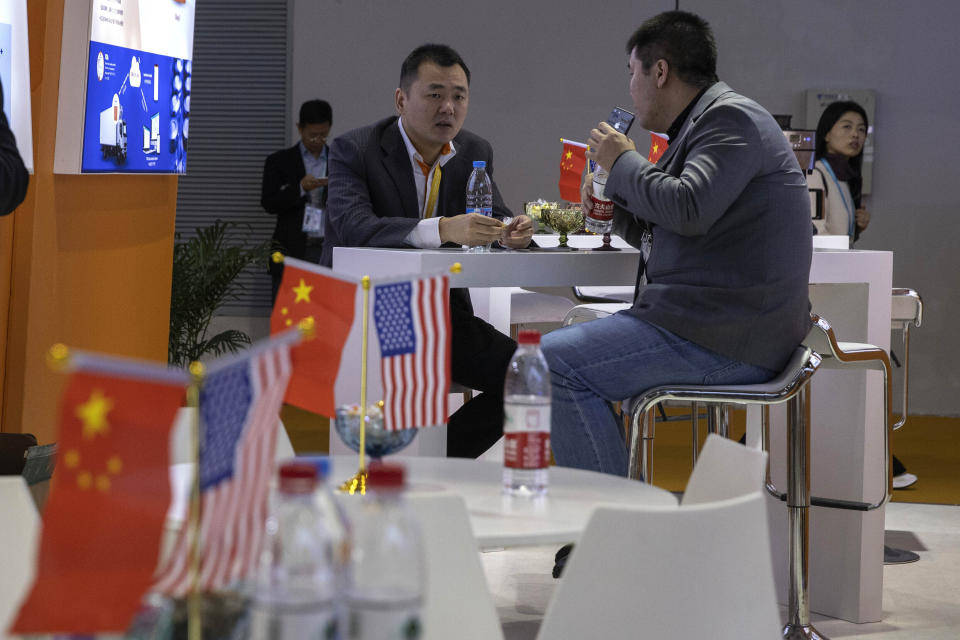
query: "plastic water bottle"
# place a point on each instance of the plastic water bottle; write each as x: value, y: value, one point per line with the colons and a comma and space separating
x: 600, y: 219
x: 295, y: 590
x: 480, y: 197
x: 335, y: 519
x: 526, y: 423
x: 385, y: 597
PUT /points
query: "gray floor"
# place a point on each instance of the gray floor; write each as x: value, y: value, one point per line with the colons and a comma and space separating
x: 921, y: 601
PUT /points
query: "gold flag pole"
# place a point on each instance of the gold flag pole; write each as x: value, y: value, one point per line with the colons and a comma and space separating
x: 358, y: 483
x: 194, y: 614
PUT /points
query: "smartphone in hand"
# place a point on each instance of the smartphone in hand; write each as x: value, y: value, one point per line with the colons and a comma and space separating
x: 620, y: 119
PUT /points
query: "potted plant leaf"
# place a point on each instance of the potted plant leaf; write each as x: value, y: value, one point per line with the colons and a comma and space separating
x: 205, y: 270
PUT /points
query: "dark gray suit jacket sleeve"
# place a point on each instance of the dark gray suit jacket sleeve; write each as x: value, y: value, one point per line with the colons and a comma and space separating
x: 722, y: 160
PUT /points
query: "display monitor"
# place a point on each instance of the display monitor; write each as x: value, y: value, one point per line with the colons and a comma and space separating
x: 135, y: 77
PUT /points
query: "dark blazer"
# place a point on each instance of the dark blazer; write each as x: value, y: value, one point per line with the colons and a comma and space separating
x: 732, y: 243
x: 373, y: 200
x: 280, y: 196
x: 13, y: 174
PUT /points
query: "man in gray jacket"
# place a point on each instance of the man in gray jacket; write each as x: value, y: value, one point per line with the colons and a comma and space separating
x: 723, y: 220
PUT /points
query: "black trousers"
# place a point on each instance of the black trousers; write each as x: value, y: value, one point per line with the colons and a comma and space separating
x: 480, y: 355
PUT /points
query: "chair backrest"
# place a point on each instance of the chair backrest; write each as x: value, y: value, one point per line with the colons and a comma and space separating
x: 18, y: 540
x: 458, y: 601
x: 700, y: 571
x: 725, y: 469
x: 592, y: 311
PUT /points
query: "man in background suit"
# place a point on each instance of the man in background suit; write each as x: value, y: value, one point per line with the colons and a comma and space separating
x: 723, y: 220
x: 401, y: 182
x: 294, y: 179
x: 13, y: 174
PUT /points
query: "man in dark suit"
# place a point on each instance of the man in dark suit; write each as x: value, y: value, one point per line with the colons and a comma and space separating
x: 13, y: 174
x: 723, y: 219
x: 295, y: 182
x: 401, y: 182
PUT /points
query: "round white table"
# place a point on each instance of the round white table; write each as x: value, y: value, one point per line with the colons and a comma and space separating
x: 499, y: 520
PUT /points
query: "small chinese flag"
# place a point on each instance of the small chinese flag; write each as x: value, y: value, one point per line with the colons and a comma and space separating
x: 108, y: 502
x: 658, y: 144
x: 572, y: 163
x: 310, y: 291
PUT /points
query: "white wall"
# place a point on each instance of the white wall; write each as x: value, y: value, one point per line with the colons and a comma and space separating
x: 543, y: 69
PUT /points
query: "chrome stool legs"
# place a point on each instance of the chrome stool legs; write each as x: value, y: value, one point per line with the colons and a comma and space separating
x: 798, y: 510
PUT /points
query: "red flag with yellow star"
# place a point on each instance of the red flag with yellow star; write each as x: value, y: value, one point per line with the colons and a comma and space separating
x: 572, y: 163
x: 658, y: 144
x: 108, y: 501
x: 329, y: 299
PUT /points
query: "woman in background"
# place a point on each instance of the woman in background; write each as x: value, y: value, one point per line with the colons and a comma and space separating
x: 841, y: 134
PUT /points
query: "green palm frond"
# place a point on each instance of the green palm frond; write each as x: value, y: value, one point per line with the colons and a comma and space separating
x: 205, y: 270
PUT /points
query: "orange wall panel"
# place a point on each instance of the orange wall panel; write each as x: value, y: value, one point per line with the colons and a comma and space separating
x: 87, y: 259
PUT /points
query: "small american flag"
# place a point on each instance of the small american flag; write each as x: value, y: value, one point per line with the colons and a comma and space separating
x: 239, y: 408
x: 413, y: 326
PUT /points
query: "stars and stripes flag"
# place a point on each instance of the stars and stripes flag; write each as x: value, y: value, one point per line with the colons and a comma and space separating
x: 239, y: 408
x: 412, y: 319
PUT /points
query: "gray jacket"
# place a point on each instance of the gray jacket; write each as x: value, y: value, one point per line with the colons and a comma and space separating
x: 730, y: 216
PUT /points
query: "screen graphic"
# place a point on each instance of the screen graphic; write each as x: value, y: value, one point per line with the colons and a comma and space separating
x: 138, y: 86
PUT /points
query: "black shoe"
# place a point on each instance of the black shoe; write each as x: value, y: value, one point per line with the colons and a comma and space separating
x: 560, y: 559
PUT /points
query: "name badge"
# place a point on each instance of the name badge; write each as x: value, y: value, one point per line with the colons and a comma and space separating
x: 313, y: 221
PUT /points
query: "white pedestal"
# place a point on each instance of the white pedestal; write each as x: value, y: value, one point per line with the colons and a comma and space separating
x: 851, y: 290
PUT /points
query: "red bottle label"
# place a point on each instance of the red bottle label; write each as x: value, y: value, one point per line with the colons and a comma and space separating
x: 526, y: 450
x: 602, y: 210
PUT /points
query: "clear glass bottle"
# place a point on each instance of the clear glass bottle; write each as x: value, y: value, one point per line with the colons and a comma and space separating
x: 480, y: 197
x: 295, y: 591
x: 526, y: 423
x: 387, y: 569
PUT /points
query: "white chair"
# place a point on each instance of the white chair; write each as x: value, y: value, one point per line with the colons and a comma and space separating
x: 700, y: 570
x: 458, y: 602
x: 18, y: 540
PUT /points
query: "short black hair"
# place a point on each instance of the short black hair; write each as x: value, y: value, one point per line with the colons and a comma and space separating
x: 681, y: 38
x: 315, y: 112
x: 439, y: 54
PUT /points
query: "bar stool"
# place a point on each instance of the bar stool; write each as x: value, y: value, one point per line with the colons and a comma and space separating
x: 790, y: 387
x: 906, y: 308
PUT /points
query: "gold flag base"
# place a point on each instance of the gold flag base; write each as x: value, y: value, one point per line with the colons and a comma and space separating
x: 356, y: 484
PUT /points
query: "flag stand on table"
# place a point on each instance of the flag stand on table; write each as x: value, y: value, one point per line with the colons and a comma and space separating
x: 198, y: 373
x: 358, y: 483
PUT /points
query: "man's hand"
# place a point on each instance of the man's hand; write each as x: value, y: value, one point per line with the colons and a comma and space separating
x: 309, y: 183
x: 606, y: 145
x: 470, y: 229
x: 862, y: 218
x: 518, y: 233
x: 586, y: 191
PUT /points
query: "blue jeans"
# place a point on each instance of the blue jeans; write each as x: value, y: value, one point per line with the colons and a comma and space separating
x: 595, y: 363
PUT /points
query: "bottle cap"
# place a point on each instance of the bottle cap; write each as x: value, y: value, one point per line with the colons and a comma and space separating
x: 320, y: 462
x: 479, y: 164
x: 528, y: 336
x: 298, y: 477
x: 385, y: 476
